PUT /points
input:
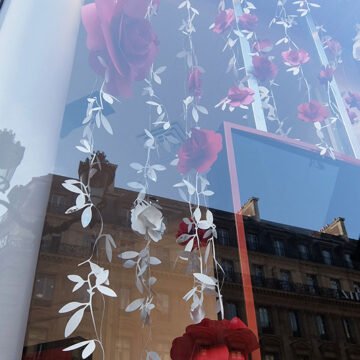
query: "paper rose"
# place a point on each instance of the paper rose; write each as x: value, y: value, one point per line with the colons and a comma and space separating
x: 295, y: 57
x: 215, y: 340
x: 194, y: 84
x: 353, y: 100
x: 147, y: 219
x: 239, y: 96
x: 224, y: 20
x: 248, y: 21
x: 326, y: 74
x: 199, y: 151
x: 122, y: 43
x: 334, y: 47
x: 263, y: 46
x: 312, y: 112
x: 187, y: 231
x: 264, y: 69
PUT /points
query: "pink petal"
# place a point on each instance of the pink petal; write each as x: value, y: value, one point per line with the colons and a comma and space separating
x: 95, y: 40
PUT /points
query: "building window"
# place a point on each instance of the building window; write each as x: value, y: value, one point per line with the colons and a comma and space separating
x: 348, y: 261
x: 326, y: 257
x: 303, y: 252
x: 285, y: 278
x: 294, y: 323
x: 230, y: 311
x: 228, y: 267
x: 349, y: 333
x: 44, y: 288
x: 57, y: 202
x: 311, y: 282
x: 252, y: 242
x: 320, y: 323
x: 335, y: 287
x: 272, y: 356
x: 259, y: 275
x: 279, y: 248
x: 223, y: 237
x: 124, y: 296
x: 357, y: 287
x: 163, y: 303
x: 265, y: 320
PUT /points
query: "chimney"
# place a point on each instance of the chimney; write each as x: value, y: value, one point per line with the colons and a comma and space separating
x: 251, y: 208
x: 337, y: 227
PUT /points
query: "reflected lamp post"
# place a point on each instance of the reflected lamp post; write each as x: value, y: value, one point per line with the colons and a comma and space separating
x: 11, y: 154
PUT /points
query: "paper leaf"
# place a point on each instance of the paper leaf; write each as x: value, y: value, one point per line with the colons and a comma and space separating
x: 106, y: 124
x: 88, y: 350
x: 106, y: 291
x: 74, y: 322
x: 70, y: 307
x: 136, y: 166
x: 134, y: 305
x: 108, y: 98
x: 128, y: 255
x: 75, y: 278
x: 86, y: 217
x: 207, y: 280
x: 189, y: 245
x: 108, y: 249
x: 189, y: 294
x: 153, y: 355
x: 209, y: 216
x: 154, y: 261
x: 204, y: 225
x: 72, y: 188
x: 197, y: 214
x: 76, y: 346
x: 152, y: 281
x: 207, y: 251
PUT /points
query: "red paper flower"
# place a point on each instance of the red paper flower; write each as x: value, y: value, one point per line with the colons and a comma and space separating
x: 184, y: 230
x: 199, y: 151
x: 248, y: 21
x: 194, y: 84
x: 312, y: 112
x: 295, y: 57
x: 263, y: 46
x: 224, y: 20
x: 215, y: 340
x: 334, y: 47
x: 353, y: 100
x: 240, y: 96
x: 125, y: 42
x: 326, y: 74
x: 264, y: 69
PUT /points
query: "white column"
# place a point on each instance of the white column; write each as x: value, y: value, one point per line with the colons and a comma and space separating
x: 37, y: 45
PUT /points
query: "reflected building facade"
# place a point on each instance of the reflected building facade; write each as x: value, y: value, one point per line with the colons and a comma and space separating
x: 306, y: 286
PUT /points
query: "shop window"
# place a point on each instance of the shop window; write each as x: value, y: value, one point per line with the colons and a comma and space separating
x: 348, y: 261
x: 252, y: 242
x: 223, y: 237
x: 348, y: 329
x: 294, y: 323
x: 230, y: 310
x: 279, y: 248
x: 303, y: 252
x: 321, y: 327
x: 44, y: 288
x: 326, y: 255
x: 285, y: 277
x: 265, y: 320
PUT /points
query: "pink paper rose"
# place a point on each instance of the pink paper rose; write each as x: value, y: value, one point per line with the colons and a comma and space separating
x: 224, y: 20
x: 263, y: 46
x: 264, y: 69
x: 194, y: 84
x: 248, y: 21
x: 125, y: 42
x: 295, y: 57
x: 199, y: 151
x: 326, y: 74
x: 334, y: 47
x: 240, y: 96
x: 312, y: 112
x: 353, y: 100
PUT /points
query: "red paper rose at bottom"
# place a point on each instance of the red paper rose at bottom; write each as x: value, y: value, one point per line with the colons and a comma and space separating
x: 312, y: 112
x: 215, y: 340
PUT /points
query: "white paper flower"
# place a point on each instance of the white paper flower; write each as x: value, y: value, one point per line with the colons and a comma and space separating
x: 147, y: 219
